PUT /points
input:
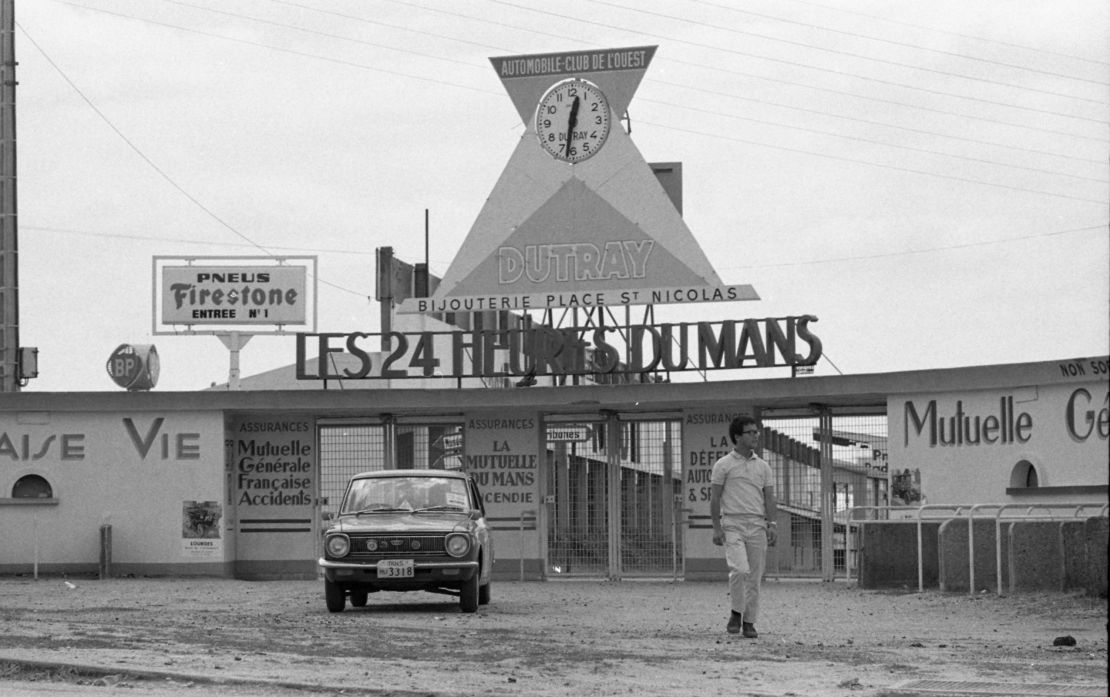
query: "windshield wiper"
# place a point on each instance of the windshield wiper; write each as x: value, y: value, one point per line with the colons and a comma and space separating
x: 382, y: 510
x: 439, y: 508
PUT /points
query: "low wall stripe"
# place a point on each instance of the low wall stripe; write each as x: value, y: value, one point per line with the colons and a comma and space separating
x: 293, y: 521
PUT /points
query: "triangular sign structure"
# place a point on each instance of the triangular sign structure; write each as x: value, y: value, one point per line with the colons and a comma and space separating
x: 595, y: 232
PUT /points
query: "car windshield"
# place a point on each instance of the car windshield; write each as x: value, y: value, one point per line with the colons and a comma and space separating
x: 383, y: 494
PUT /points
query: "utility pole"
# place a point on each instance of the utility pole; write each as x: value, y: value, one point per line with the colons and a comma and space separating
x: 9, y: 249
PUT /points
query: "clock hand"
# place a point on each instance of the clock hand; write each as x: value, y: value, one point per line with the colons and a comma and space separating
x: 571, y: 123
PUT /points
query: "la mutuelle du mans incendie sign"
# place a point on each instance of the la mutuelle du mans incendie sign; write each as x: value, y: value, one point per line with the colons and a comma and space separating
x: 578, y: 219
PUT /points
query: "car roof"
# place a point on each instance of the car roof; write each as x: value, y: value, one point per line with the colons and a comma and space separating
x: 456, y: 474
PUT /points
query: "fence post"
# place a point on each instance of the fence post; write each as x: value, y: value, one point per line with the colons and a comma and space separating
x: 35, y: 537
x: 828, y: 502
x: 105, y: 551
x: 523, y: 515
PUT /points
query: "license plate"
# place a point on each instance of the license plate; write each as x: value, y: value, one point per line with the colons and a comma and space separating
x: 396, y: 568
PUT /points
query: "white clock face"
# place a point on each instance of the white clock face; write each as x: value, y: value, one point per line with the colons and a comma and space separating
x: 572, y: 120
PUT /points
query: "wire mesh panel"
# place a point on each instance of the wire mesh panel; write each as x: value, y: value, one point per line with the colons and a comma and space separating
x: 604, y: 491
x: 346, y: 450
x: 792, y: 446
x: 430, y: 446
x: 578, y: 521
x: 651, y: 478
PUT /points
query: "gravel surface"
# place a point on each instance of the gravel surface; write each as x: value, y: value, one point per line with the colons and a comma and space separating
x: 215, y: 636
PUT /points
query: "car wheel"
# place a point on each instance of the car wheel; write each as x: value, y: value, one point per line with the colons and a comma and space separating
x: 334, y: 596
x: 484, y: 593
x: 468, y: 595
x: 358, y: 598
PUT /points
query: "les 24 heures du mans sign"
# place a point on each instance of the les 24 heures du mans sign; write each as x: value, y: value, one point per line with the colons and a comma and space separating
x: 541, y: 350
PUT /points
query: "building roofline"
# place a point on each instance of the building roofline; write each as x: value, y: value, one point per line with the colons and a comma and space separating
x: 869, y: 390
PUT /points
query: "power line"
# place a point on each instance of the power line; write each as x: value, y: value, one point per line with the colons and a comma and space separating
x: 314, y: 32
x: 928, y: 250
x: 813, y: 47
x: 162, y: 173
x: 954, y: 54
x: 192, y: 241
x: 731, y: 71
x: 881, y: 124
x: 842, y: 73
x: 462, y: 86
x: 419, y: 53
x: 135, y: 148
x: 302, y: 54
x: 884, y: 255
x: 876, y: 142
x: 950, y: 33
x: 483, y: 20
x: 379, y: 23
x: 966, y: 180
x: 878, y: 100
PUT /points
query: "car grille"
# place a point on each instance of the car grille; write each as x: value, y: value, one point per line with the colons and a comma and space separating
x: 392, y: 546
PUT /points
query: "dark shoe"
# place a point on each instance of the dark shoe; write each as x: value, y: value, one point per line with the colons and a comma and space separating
x: 734, y: 623
x: 749, y: 631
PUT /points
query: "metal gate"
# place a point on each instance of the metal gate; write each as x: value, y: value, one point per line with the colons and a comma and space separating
x: 614, y: 485
x: 347, y: 448
x: 809, y: 493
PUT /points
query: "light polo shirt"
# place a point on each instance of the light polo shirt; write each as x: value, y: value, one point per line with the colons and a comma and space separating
x: 743, y: 480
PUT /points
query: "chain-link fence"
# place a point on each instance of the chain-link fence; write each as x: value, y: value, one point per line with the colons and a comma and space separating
x: 858, y: 477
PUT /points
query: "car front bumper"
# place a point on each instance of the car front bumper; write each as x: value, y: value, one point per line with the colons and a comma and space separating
x: 425, y: 572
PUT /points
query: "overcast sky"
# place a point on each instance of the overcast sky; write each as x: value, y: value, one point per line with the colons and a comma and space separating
x: 929, y: 179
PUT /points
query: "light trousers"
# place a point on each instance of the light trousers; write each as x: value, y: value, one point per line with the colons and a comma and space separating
x: 746, y: 554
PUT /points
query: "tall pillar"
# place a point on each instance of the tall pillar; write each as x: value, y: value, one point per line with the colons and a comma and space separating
x: 9, y: 247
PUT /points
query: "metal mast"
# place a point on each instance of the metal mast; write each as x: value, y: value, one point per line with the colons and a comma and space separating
x: 9, y: 260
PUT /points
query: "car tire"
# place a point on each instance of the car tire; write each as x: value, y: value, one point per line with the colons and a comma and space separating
x: 358, y: 598
x: 484, y: 593
x: 334, y: 597
x: 468, y: 595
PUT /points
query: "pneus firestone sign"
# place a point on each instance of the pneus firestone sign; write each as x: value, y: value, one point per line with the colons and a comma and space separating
x: 233, y: 294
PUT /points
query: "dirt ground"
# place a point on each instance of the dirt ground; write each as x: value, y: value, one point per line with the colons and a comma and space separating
x: 541, y: 639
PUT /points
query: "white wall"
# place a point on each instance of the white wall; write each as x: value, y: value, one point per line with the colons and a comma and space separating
x: 1060, y: 428
x: 134, y: 471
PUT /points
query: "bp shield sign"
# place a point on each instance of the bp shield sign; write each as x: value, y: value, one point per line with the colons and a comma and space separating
x: 134, y: 366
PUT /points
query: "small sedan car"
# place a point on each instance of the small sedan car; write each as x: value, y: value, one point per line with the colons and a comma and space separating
x: 408, y: 530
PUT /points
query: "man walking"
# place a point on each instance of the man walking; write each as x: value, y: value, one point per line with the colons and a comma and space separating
x: 742, y: 506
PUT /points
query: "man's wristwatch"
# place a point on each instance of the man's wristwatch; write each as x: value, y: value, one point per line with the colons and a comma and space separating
x: 772, y: 524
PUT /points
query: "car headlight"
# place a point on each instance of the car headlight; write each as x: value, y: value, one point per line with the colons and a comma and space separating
x: 338, y: 546
x: 458, y: 544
